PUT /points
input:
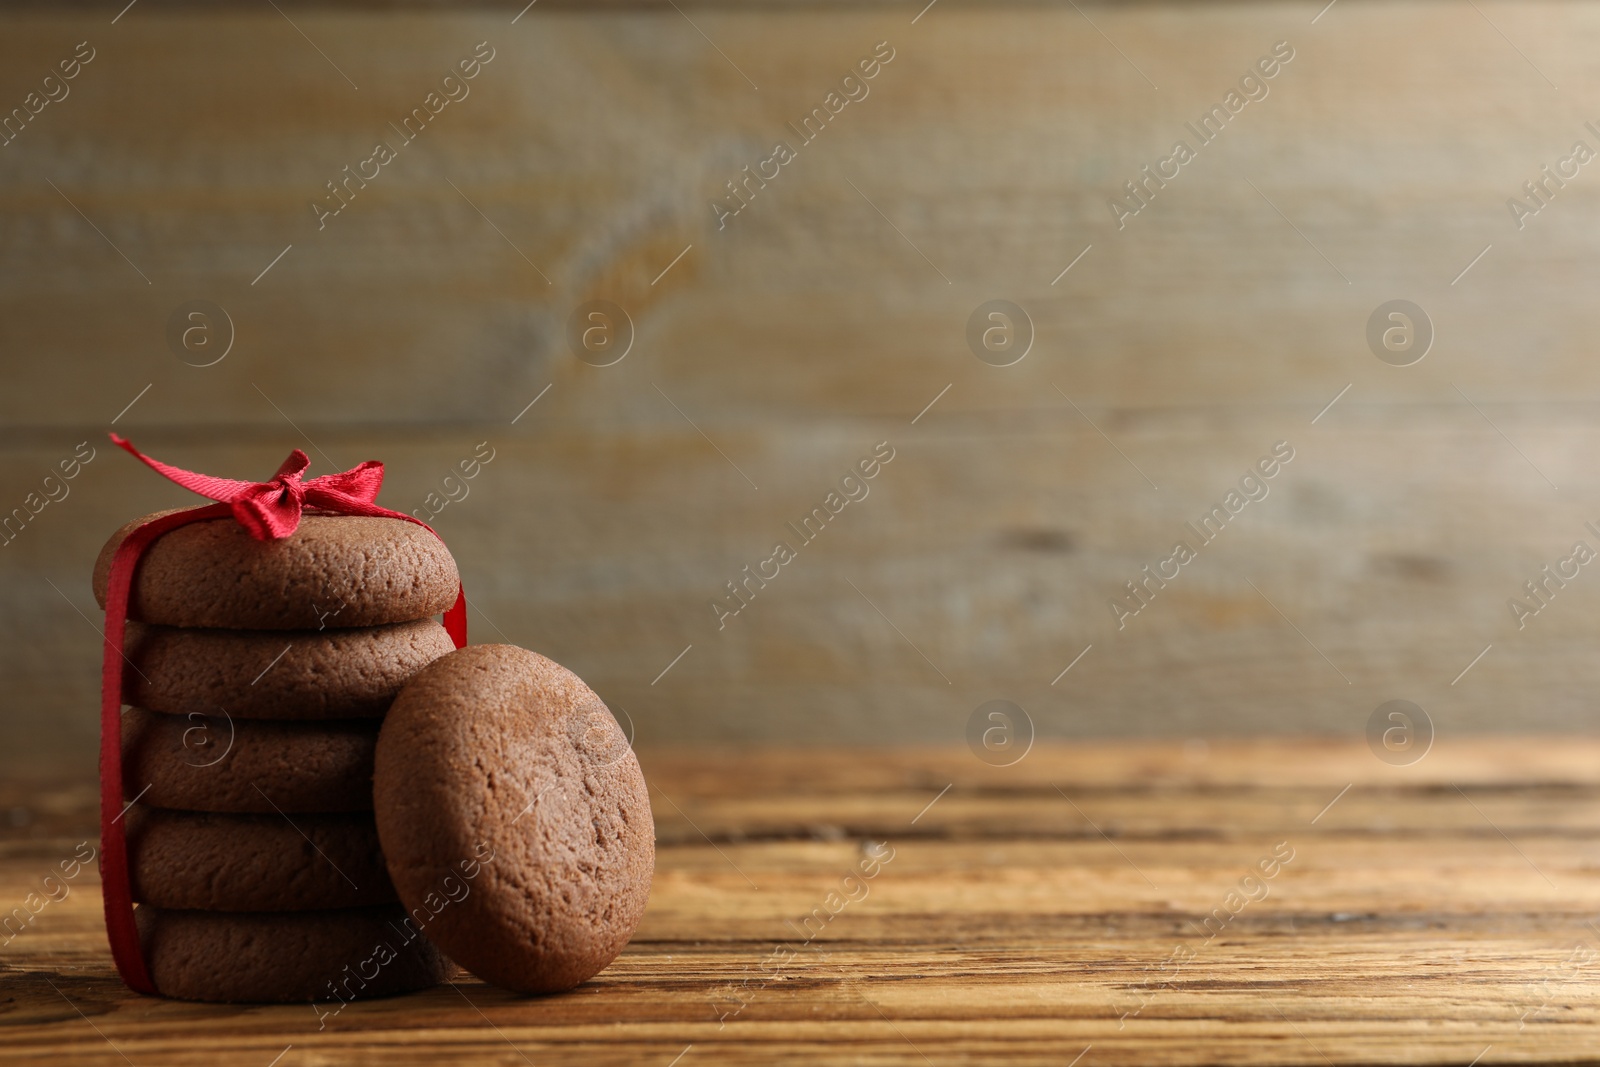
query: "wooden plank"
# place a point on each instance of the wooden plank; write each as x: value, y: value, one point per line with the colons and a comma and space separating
x: 1023, y: 942
x: 808, y: 330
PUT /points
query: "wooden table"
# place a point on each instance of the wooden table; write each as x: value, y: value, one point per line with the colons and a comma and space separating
x: 1076, y: 904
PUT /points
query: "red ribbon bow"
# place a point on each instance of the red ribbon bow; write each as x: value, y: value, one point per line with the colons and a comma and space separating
x: 269, y: 511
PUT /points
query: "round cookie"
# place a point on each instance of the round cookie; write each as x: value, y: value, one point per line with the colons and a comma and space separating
x: 189, y: 859
x: 495, y: 761
x: 335, y: 570
x: 218, y: 763
x: 276, y: 674
x: 326, y: 957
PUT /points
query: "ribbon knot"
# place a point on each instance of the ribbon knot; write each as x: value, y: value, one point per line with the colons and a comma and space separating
x: 270, y: 510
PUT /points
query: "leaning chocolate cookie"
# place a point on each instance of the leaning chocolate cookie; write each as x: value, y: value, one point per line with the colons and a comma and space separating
x: 514, y: 818
x: 219, y: 763
x: 276, y: 674
x: 186, y: 859
x: 334, y: 571
x: 326, y: 957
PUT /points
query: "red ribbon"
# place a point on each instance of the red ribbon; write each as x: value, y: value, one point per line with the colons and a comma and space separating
x: 269, y: 511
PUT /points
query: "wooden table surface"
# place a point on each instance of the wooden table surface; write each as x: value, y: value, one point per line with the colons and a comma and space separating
x: 1075, y: 904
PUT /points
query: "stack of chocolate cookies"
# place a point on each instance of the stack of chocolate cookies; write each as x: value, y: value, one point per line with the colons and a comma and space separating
x: 258, y: 674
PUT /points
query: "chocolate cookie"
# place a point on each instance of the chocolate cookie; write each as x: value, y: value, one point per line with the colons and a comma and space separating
x: 513, y: 817
x: 277, y: 674
x: 218, y: 763
x: 326, y: 957
x: 335, y: 570
x: 187, y: 859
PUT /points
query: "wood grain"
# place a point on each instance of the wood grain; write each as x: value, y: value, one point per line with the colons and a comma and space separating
x: 782, y: 348
x: 1015, y: 923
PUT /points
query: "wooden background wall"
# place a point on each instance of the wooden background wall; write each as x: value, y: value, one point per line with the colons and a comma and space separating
x: 823, y: 319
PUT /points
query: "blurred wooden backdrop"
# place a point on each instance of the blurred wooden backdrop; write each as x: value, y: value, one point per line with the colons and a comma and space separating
x: 826, y: 315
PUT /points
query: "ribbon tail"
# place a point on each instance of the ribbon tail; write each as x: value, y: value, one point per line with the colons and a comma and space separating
x: 204, y: 484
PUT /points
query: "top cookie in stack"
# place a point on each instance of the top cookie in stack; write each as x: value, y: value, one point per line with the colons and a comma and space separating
x: 336, y: 570
x: 292, y: 650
